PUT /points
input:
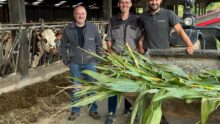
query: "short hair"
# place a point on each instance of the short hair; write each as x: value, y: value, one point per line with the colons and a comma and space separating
x: 78, y: 6
x: 120, y: 0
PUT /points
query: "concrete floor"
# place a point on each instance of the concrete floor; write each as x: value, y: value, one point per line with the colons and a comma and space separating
x: 84, y: 118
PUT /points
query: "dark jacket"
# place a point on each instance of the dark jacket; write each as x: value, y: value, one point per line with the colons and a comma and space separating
x: 120, y: 32
x: 70, y: 50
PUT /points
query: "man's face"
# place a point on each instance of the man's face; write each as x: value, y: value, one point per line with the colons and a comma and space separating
x: 154, y: 4
x: 124, y: 5
x: 80, y: 15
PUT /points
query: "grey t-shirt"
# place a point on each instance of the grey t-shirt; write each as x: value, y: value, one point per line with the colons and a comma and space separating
x: 157, y: 28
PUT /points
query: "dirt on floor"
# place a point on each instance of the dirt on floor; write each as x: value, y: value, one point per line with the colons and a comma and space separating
x: 33, y: 102
x: 36, y: 104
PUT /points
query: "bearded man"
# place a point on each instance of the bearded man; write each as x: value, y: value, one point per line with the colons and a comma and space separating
x: 156, y: 24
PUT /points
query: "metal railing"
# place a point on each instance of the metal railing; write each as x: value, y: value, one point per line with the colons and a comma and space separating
x: 9, y: 65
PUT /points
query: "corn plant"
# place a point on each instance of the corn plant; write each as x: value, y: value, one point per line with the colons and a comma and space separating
x: 217, y: 44
x: 133, y: 73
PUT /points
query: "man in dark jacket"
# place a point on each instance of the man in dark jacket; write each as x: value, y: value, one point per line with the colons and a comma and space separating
x: 77, y: 36
x: 122, y: 28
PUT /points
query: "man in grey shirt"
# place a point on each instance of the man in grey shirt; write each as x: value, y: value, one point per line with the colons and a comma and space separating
x: 157, y: 24
x: 122, y: 28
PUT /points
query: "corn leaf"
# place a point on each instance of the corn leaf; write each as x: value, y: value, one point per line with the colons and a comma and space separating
x: 119, y: 99
x: 99, y: 77
x: 132, y: 55
x: 173, y: 69
x: 137, y: 101
x: 133, y: 72
x: 124, y: 86
x: 217, y: 44
x: 153, y: 113
x: 180, y: 93
x: 93, y: 98
x: 207, y: 107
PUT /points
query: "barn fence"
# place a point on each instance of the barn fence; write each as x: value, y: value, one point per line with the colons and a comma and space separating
x: 10, y: 45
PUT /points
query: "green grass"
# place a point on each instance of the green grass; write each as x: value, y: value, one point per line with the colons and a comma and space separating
x: 213, y: 6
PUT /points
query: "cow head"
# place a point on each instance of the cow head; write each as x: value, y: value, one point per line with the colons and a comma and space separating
x: 42, y: 42
x: 47, y: 39
x: 6, y: 45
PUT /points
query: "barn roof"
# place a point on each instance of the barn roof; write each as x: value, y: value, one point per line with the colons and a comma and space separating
x: 69, y: 3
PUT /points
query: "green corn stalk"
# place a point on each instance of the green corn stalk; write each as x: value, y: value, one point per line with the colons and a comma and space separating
x: 217, y: 44
x: 207, y: 107
x: 135, y: 74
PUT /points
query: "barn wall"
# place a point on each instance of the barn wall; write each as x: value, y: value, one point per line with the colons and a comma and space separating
x: 48, y: 14
x: 62, y: 14
x: 1, y: 14
x: 56, y: 14
x: 4, y: 17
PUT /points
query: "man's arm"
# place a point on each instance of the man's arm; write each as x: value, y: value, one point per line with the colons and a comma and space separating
x: 99, y: 45
x: 185, y: 38
x: 64, y: 45
x: 109, y: 46
x: 141, y: 44
x: 108, y: 38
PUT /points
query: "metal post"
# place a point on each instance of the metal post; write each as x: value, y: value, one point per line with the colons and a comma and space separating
x: 17, y: 15
x: 1, y: 13
x: 1, y: 53
x: 107, y: 9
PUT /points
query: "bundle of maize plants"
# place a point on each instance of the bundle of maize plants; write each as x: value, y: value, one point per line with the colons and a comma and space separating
x: 134, y: 73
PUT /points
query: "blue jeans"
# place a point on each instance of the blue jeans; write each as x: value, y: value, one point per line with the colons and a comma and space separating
x: 76, y: 70
x: 112, y: 104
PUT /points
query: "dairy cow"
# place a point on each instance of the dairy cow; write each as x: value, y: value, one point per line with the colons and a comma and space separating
x: 6, y: 41
x: 45, y: 43
x: 41, y: 42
